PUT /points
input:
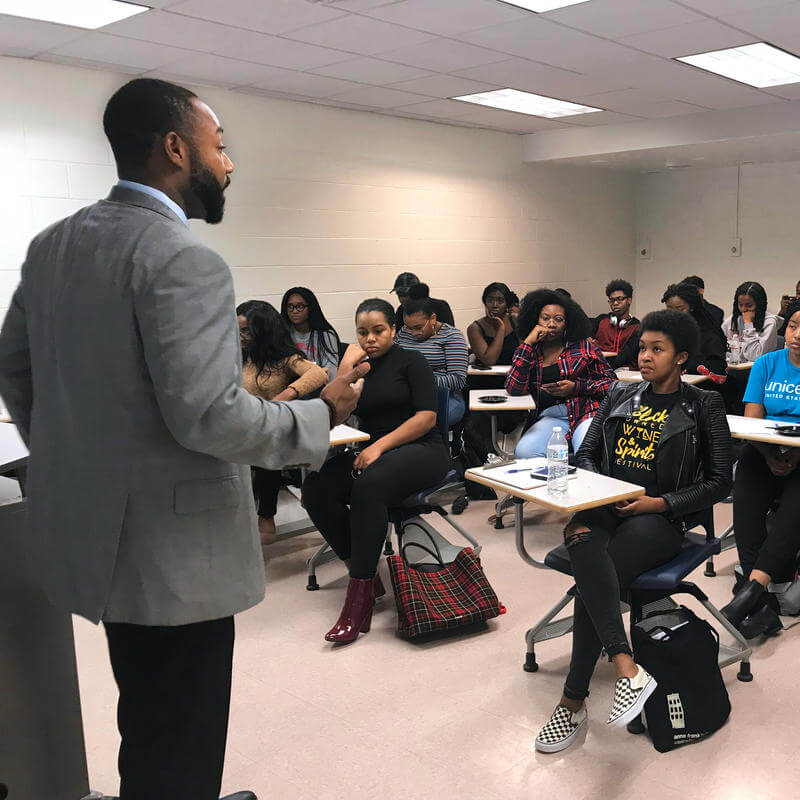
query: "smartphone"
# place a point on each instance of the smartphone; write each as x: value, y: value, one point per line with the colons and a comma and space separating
x: 788, y: 430
x: 541, y: 472
x: 479, y: 366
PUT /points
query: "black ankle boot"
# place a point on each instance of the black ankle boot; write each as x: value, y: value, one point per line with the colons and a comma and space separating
x: 745, y: 601
x: 764, y: 622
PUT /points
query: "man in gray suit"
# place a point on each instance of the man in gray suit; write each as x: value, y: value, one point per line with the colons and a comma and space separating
x: 120, y: 364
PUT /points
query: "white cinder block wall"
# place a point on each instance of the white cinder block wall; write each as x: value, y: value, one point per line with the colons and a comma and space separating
x: 690, y: 216
x: 339, y: 201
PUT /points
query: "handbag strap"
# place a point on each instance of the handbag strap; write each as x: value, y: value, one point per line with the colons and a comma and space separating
x: 437, y: 555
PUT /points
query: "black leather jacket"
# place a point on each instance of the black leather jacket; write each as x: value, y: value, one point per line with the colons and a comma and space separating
x: 693, y: 457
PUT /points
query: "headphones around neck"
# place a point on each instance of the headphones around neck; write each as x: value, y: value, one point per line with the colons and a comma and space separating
x: 617, y: 322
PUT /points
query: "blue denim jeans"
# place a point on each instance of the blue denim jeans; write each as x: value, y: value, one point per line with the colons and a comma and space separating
x: 455, y: 408
x: 534, y: 442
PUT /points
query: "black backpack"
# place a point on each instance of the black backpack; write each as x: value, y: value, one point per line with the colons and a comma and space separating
x: 681, y: 652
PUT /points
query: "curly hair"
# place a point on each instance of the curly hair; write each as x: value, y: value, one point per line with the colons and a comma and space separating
x: 759, y: 296
x: 577, y: 323
x: 689, y: 294
x: 681, y: 329
x: 619, y: 285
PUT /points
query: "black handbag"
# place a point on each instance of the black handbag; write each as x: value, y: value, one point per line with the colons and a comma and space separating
x: 681, y: 652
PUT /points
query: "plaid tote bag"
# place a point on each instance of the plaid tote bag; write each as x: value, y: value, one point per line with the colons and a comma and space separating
x: 451, y: 596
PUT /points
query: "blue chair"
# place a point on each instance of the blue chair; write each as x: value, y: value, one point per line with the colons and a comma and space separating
x: 651, y: 591
x: 406, y: 517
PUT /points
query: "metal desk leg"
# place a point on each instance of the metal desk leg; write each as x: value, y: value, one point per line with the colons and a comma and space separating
x: 499, y: 450
x: 520, y: 534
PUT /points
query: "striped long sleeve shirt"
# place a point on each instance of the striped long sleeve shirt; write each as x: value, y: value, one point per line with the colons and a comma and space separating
x: 445, y: 351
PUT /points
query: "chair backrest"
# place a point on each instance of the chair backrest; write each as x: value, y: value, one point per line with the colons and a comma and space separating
x: 342, y: 350
x: 443, y: 411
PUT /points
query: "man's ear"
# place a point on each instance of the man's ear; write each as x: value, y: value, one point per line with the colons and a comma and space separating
x: 176, y: 150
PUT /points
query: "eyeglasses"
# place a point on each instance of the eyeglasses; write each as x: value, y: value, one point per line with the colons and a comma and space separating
x: 612, y: 300
x: 296, y: 306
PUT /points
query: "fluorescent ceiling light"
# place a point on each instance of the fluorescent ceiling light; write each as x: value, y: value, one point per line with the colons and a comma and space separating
x: 540, y: 6
x: 526, y: 103
x: 78, y: 13
x: 757, y: 64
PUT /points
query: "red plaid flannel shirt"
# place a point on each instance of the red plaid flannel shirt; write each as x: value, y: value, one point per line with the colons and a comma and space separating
x: 582, y: 362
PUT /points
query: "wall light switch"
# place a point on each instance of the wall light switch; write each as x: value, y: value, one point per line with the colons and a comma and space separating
x: 735, y: 248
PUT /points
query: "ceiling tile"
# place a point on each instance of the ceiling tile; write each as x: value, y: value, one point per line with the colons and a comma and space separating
x: 267, y: 16
x: 443, y: 55
x: 215, y: 71
x: 639, y: 103
x: 778, y: 25
x: 508, y: 120
x: 116, y: 51
x: 720, y: 7
x: 164, y: 27
x: 303, y: 83
x: 446, y: 109
x: 360, y: 35
x: 379, y: 97
x: 361, y: 5
x: 371, y: 70
x: 518, y: 73
x: 790, y: 91
x: 444, y: 86
x: 447, y: 17
x: 617, y: 18
x: 599, y: 118
x: 684, y: 40
x: 274, y: 51
x: 86, y: 63
x: 26, y: 37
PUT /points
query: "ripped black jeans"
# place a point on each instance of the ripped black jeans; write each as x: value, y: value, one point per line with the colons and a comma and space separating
x: 605, y: 562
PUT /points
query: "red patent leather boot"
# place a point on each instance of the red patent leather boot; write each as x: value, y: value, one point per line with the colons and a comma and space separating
x: 356, y: 613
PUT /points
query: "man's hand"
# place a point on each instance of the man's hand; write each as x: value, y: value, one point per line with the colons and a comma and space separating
x: 342, y: 393
x: 367, y: 456
x: 563, y: 388
x: 641, y: 505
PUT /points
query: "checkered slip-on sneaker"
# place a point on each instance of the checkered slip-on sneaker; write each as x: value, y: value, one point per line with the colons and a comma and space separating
x: 561, y: 730
x: 630, y: 695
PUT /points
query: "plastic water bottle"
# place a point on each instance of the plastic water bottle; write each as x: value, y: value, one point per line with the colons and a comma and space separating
x: 736, y: 349
x: 557, y: 462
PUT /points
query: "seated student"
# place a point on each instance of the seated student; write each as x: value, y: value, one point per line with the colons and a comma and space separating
x: 614, y: 329
x: 513, y: 307
x: 492, y: 337
x: 274, y: 369
x: 560, y: 366
x: 765, y: 474
x: 672, y: 439
x: 714, y: 312
x: 786, y: 301
x: 757, y: 329
x: 349, y: 498
x: 443, y: 346
x: 441, y: 308
x: 710, y: 357
x: 309, y: 329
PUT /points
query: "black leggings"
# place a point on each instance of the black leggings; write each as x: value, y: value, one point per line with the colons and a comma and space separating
x: 605, y: 562
x: 266, y: 485
x: 755, y: 491
x: 353, y: 513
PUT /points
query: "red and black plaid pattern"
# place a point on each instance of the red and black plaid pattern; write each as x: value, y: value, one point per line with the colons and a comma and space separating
x: 582, y: 362
x: 456, y: 595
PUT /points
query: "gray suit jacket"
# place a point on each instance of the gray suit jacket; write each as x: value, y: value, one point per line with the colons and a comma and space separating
x: 120, y: 364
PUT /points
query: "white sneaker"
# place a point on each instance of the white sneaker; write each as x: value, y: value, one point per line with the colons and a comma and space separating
x: 630, y: 695
x: 561, y: 730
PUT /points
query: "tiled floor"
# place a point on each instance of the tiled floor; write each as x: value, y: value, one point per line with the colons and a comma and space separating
x: 455, y: 718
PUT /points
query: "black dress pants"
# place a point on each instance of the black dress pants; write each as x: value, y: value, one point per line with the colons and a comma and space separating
x: 174, y: 697
x: 352, y: 513
x: 605, y: 562
x: 755, y: 491
x: 266, y: 486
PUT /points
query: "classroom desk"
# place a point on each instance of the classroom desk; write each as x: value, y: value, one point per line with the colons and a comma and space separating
x: 498, y: 370
x: 742, y: 366
x: 634, y: 376
x: 341, y: 434
x: 584, y: 490
x: 610, y: 353
x: 759, y: 430
x: 513, y: 403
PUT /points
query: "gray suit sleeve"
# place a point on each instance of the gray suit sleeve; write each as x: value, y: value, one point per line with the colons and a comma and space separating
x: 186, y: 315
x: 16, y: 382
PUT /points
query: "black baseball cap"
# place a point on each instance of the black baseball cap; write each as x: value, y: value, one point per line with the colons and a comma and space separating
x: 403, y: 281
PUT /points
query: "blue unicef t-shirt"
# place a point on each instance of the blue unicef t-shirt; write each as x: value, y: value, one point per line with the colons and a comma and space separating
x: 775, y: 383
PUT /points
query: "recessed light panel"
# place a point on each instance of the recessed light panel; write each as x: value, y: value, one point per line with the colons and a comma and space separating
x: 535, y: 105
x: 89, y: 14
x: 757, y: 64
x: 540, y: 6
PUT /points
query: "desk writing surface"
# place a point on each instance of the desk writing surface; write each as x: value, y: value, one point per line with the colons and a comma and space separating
x: 498, y: 370
x: 740, y: 367
x: 513, y: 403
x: 634, y: 376
x: 759, y: 430
x: 12, y: 448
x: 585, y: 490
x: 344, y: 434
x: 610, y: 353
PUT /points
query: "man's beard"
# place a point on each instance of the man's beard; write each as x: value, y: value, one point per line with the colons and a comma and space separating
x: 205, y: 187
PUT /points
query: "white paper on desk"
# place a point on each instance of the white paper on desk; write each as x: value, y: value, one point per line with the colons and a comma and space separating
x: 739, y: 424
x: 519, y: 480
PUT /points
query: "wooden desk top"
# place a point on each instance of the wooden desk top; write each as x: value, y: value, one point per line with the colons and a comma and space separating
x: 344, y: 434
x: 610, y: 353
x: 634, y: 376
x: 584, y: 490
x: 521, y: 403
x: 760, y: 430
x: 498, y: 370
x: 740, y: 367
